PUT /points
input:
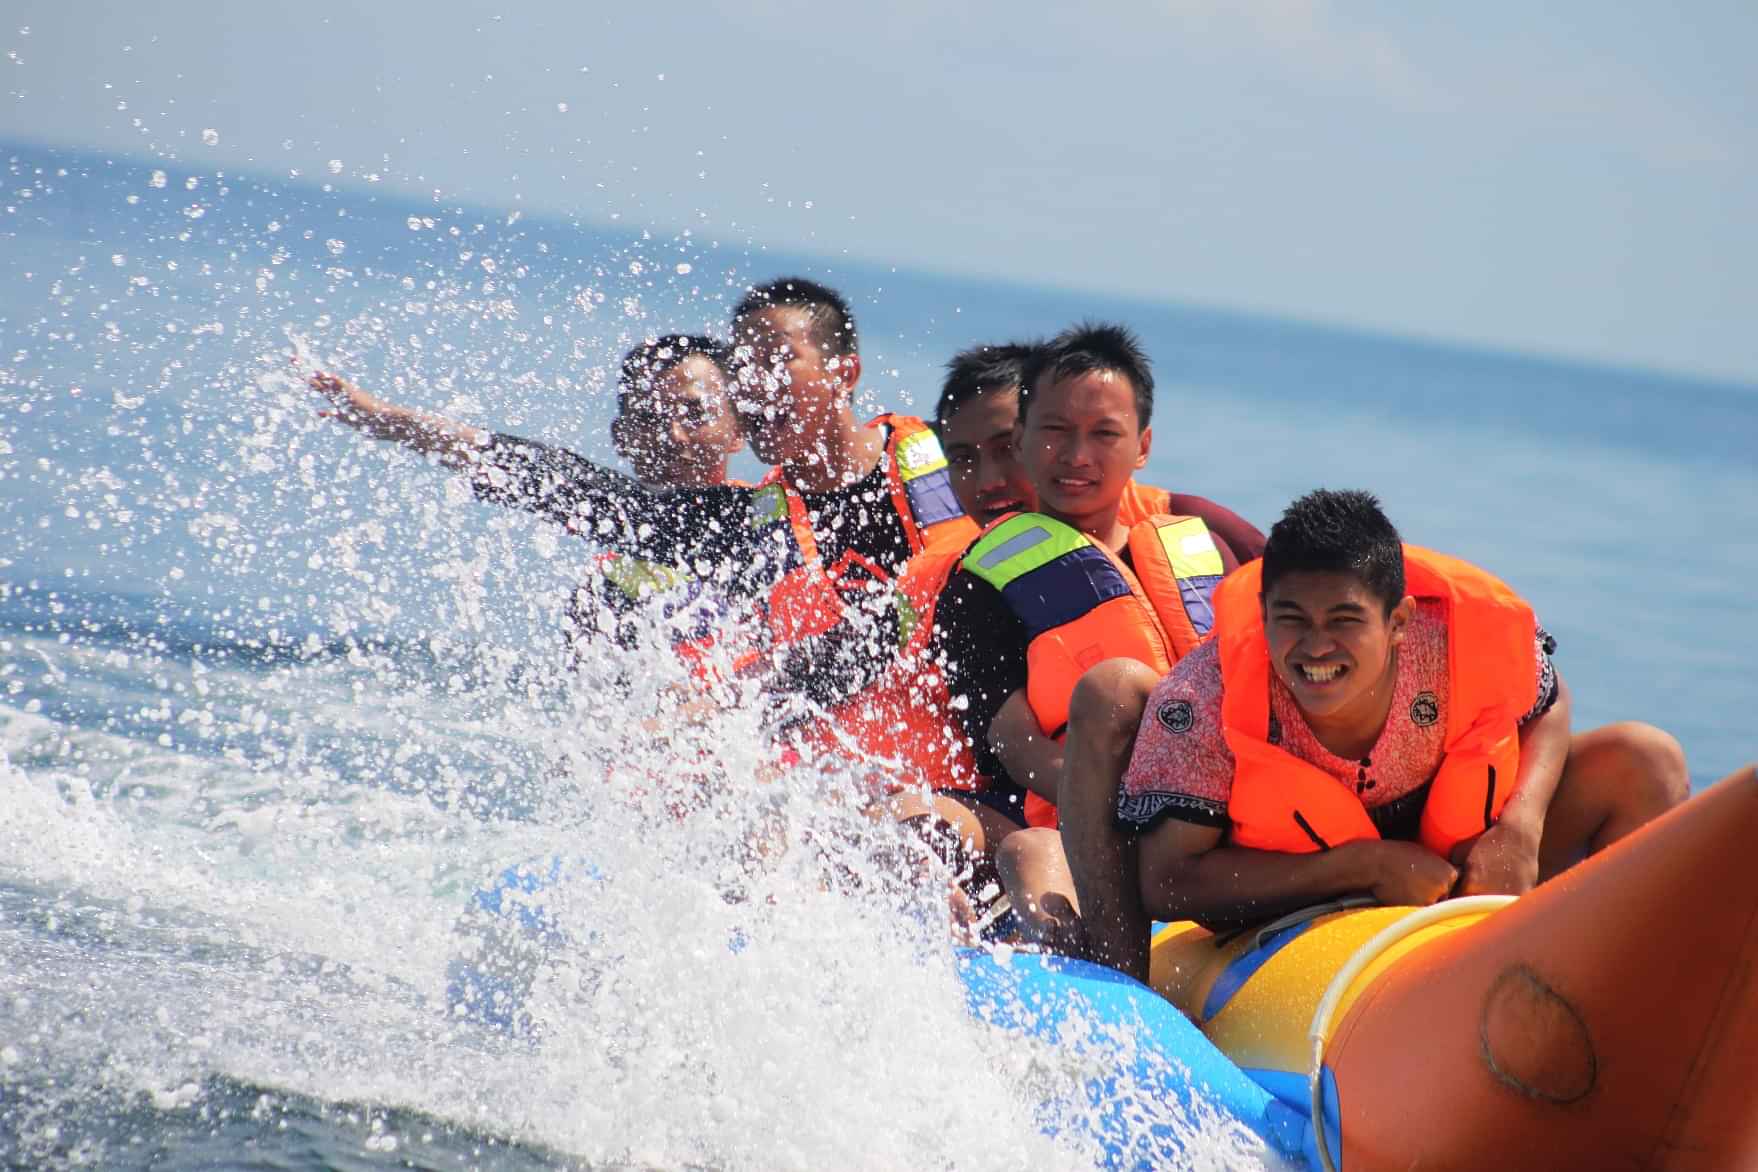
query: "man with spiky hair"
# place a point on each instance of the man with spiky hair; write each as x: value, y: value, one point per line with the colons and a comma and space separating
x: 1332, y: 739
x: 1074, y: 577
x: 976, y: 416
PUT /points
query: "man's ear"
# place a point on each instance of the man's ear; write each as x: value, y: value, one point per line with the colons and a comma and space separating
x: 1147, y: 442
x: 1019, y: 434
x: 848, y: 372
x: 1400, y: 618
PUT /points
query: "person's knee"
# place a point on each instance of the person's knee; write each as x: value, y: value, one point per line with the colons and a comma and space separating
x: 1015, y: 856
x: 1653, y: 762
x: 1110, y: 697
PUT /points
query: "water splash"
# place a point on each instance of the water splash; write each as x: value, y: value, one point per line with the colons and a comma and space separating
x: 277, y: 701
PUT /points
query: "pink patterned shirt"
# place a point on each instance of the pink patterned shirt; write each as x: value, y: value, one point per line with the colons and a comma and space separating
x: 1182, y: 767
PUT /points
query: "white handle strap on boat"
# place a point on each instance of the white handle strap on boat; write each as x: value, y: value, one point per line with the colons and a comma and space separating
x: 1320, y: 1034
x: 999, y: 908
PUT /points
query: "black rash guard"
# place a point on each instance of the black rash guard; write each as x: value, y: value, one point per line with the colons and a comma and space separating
x: 706, y: 532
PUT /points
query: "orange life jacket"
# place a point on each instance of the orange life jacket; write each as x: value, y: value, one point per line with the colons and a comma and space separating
x: 896, y: 719
x: 1141, y: 501
x: 1282, y: 803
x: 1081, y: 605
x: 807, y: 599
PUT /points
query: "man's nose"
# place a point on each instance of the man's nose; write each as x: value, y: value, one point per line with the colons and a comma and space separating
x: 1075, y: 449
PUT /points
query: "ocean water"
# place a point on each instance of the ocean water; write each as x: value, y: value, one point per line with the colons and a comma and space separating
x: 274, y: 700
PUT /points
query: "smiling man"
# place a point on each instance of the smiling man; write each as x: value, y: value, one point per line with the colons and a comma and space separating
x: 1371, y: 717
x: 977, y: 417
x: 675, y: 426
x: 1044, y: 595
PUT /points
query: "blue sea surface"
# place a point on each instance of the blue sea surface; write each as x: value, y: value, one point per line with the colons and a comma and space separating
x: 272, y: 698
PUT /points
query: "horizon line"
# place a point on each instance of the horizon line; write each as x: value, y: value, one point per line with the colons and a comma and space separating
x: 398, y: 195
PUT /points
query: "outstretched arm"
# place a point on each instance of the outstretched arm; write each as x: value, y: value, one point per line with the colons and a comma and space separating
x: 458, y: 445
x: 701, y: 529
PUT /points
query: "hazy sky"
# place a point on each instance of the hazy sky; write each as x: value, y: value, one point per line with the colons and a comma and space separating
x: 1572, y: 177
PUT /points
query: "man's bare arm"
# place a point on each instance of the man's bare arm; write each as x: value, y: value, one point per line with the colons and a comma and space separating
x: 1032, y: 759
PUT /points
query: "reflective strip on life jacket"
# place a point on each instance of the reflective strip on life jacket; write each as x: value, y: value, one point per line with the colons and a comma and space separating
x: 639, y: 579
x: 927, y: 482
x: 1282, y: 803
x: 1186, y: 549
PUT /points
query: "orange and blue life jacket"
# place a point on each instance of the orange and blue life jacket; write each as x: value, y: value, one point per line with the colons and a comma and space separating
x: 1081, y: 604
x: 918, y: 589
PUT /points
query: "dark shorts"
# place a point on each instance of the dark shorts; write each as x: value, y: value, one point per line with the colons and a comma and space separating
x: 1004, y: 797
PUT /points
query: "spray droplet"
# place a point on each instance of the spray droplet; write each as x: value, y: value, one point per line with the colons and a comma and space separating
x: 336, y: 247
x: 335, y: 166
x: 159, y: 179
x: 683, y: 269
x: 561, y: 107
x: 210, y: 137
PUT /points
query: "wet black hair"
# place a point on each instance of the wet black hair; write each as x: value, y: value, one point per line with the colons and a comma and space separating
x: 1332, y: 530
x: 972, y: 371
x: 656, y: 356
x: 1087, y: 347
x: 833, y: 322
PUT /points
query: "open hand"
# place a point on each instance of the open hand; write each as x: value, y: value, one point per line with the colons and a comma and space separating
x: 350, y: 403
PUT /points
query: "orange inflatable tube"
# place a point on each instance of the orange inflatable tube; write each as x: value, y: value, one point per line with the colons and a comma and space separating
x: 1608, y: 1019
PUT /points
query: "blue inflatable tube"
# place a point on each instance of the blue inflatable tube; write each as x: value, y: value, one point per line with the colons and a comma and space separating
x: 1159, y: 1075
x: 1160, y: 1070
